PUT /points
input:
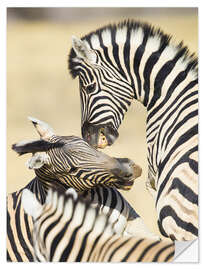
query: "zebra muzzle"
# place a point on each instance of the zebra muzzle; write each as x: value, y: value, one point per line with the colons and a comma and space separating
x: 99, y: 136
x: 126, y: 172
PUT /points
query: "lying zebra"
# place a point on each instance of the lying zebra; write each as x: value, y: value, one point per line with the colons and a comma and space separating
x: 63, y: 162
x: 67, y: 228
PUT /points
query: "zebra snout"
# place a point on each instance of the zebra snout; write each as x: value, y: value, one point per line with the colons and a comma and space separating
x: 99, y: 136
x: 126, y: 170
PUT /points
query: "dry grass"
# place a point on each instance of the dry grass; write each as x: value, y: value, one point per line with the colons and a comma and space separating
x: 40, y: 86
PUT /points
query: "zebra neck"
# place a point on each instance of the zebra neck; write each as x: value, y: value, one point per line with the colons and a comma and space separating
x: 39, y: 188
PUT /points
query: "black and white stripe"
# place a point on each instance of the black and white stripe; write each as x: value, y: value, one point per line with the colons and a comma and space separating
x: 68, y: 229
x: 63, y: 162
x: 132, y: 60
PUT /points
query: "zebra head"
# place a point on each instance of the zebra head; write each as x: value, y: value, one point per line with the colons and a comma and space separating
x: 69, y: 161
x: 105, y: 90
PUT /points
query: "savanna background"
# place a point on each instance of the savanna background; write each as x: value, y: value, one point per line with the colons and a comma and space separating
x: 39, y: 84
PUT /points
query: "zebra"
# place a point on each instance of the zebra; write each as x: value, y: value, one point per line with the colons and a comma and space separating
x: 63, y: 162
x: 133, y: 60
x: 68, y: 229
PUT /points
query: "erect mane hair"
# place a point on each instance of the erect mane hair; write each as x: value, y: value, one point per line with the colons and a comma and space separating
x: 148, y: 31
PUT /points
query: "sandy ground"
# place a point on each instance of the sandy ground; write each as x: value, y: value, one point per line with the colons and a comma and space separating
x: 39, y: 85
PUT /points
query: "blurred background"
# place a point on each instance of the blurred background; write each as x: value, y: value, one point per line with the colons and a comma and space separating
x: 39, y: 84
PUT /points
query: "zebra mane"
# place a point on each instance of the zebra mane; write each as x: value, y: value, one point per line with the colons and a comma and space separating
x: 149, y: 31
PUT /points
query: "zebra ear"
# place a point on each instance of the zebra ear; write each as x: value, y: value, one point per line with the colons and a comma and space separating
x: 25, y: 147
x: 30, y: 204
x: 43, y: 129
x: 37, y: 161
x: 83, y: 51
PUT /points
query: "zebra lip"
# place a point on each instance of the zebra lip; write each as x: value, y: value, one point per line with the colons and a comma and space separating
x: 125, y: 185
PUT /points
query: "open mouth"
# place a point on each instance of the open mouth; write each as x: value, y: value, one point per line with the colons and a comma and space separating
x: 124, y: 185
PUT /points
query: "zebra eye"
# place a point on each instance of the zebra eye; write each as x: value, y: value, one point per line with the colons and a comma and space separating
x: 90, y: 88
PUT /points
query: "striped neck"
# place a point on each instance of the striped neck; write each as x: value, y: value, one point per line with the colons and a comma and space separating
x: 147, y: 60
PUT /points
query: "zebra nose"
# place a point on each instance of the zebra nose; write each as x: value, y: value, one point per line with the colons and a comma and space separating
x: 126, y: 169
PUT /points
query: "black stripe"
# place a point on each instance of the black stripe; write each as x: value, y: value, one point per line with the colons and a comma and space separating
x: 162, y: 75
x: 29, y: 234
x: 8, y: 258
x: 156, y: 257
x: 169, y: 116
x: 82, y: 248
x: 181, y: 140
x: 183, y: 159
x: 66, y: 253
x: 23, y: 244
x: 115, y: 51
x: 113, y: 199
x: 193, y: 165
x: 12, y: 240
x: 146, y: 250
x: 184, y: 190
x: 56, y: 239
x: 169, y: 211
x: 136, y: 62
x: 126, y: 52
x: 152, y: 60
x: 169, y: 256
x: 107, y: 59
x: 93, y: 246
x: 169, y: 92
x: 115, y: 250
x: 131, y: 250
x: 180, y: 124
x: 106, y: 243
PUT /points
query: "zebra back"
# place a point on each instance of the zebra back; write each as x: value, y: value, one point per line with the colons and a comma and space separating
x: 69, y: 229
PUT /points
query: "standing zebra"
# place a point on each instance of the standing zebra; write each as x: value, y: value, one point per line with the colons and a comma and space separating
x: 67, y: 228
x: 63, y: 162
x: 118, y: 63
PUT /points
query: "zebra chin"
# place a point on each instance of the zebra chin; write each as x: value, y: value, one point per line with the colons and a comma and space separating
x: 99, y: 136
x: 122, y: 185
x: 125, y: 173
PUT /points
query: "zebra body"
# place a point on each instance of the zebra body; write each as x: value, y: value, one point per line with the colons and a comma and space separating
x: 119, y: 63
x: 109, y: 201
x: 55, y: 167
x: 67, y: 228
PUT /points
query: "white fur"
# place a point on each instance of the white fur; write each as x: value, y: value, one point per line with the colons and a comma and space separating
x: 136, y: 37
x: 121, y: 34
x: 83, y: 51
x: 30, y: 204
x: 106, y: 36
x: 95, y: 41
x: 43, y: 129
x: 37, y: 161
x: 73, y: 193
